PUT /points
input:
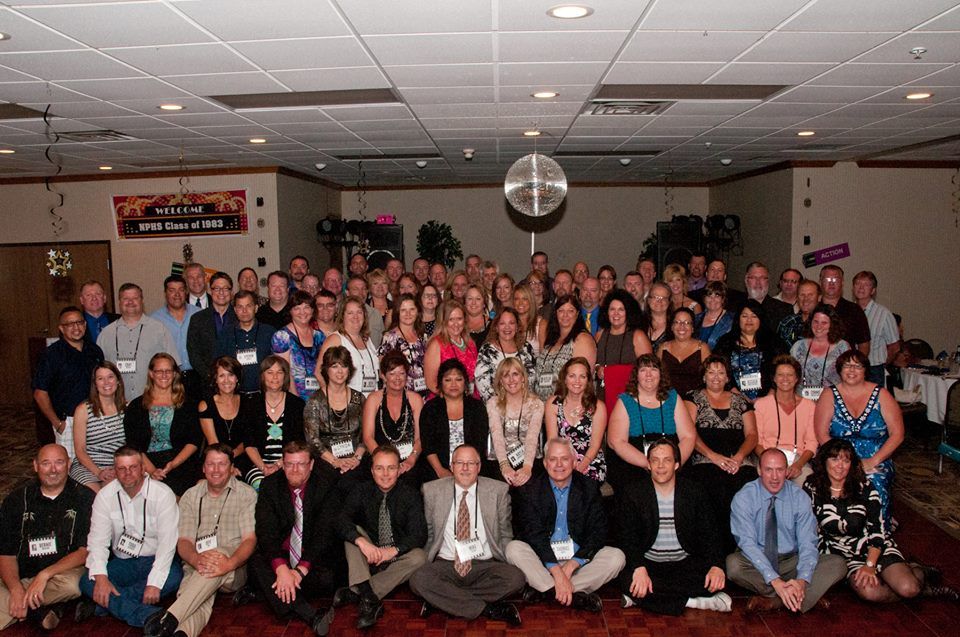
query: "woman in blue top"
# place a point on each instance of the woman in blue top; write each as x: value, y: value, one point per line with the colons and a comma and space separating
x: 750, y: 348
x: 299, y: 344
x: 714, y: 321
x: 646, y: 411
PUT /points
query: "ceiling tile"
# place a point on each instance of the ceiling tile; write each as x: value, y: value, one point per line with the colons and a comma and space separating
x: 867, y: 15
x: 169, y: 60
x: 566, y: 93
x: 559, y: 46
x: 455, y: 110
x: 443, y: 48
x: 941, y: 47
x: 556, y: 73
x: 332, y: 79
x: 422, y: 76
x: 531, y: 15
x: 116, y: 24
x: 9, y: 75
x: 30, y: 36
x: 687, y: 46
x: 259, y: 20
x: 67, y: 65
x: 660, y: 72
x: 368, y: 112
x: 304, y: 53
x: 759, y: 73
x: 720, y: 15
x: 226, y: 83
x: 876, y: 74
x: 422, y: 16
x: 124, y: 89
x: 440, y: 96
x: 788, y: 46
x: 827, y: 94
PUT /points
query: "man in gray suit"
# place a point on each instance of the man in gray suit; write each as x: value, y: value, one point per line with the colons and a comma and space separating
x: 468, y: 528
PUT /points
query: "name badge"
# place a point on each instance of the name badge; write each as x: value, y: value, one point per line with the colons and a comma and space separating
x: 516, y: 455
x: 342, y: 448
x: 310, y: 383
x: 791, y: 454
x: 247, y: 356
x: 811, y: 393
x: 127, y: 366
x: 545, y: 381
x: 369, y: 384
x: 206, y: 543
x: 419, y: 384
x: 405, y: 449
x: 129, y: 545
x: 468, y: 549
x: 563, y: 549
x: 43, y: 546
x: 750, y: 381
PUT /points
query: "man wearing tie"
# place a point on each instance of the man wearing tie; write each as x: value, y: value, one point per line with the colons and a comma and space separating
x: 468, y: 528
x: 772, y: 520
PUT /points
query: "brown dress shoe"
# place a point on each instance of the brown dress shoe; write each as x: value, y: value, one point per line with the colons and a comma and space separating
x: 759, y: 603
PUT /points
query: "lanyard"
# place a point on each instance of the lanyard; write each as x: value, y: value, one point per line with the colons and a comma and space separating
x: 795, y: 408
x: 200, y: 514
x: 136, y: 348
x: 643, y: 427
x: 363, y: 363
x: 123, y: 519
x: 823, y: 370
x: 519, y: 419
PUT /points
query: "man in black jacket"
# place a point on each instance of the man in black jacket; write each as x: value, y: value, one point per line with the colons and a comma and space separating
x: 383, y: 530
x: 204, y: 330
x: 294, y: 543
x: 673, y: 547
x: 561, y: 528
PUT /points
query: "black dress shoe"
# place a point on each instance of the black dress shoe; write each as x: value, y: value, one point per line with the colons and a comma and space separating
x: 160, y: 624
x: 244, y: 596
x: 426, y: 610
x: 503, y: 612
x: 532, y: 595
x: 371, y: 610
x: 321, y: 622
x: 86, y: 607
x: 344, y: 596
x: 587, y: 601
x: 943, y: 592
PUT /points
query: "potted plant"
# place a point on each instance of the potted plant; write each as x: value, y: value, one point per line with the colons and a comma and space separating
x: 436, y: 243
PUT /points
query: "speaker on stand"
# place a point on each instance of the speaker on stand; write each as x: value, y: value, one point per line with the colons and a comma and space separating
x: 383, y: 242
x: 677, y: 240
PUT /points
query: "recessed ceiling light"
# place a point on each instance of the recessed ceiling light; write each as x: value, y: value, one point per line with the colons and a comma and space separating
x: 569, y: 11
x: 544, y: 95
x: 258, y: 140
x: 4, y: 36
x: 7, y: 151
x: 105, y: 167
x: 531, y: 133
x: 170, y: 107
x: 806, y: 133
x: 919, y: 96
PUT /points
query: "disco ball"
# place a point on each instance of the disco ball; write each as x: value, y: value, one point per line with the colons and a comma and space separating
x: 535, y: 185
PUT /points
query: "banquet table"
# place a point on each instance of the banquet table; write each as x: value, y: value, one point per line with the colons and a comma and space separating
x: 933, y: 391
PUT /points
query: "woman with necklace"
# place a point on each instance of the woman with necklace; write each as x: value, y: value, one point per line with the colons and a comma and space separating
x: 391, y: 416
x: 531, y: 326
x: 516, y: 416
x: 275, y: 418
x: 715, y: 320
x: 675, y: 276
x: 452, y: 419
x: 220, y: 414
x: 785, y: 420
x: 503, y: 341
x: 332, y: 416
x: 407, y: 337
x: 575, y: 413
x: 429, y: 300
x: 566, y: 337
x: 658, y: 311
x: 722, y: 461
x: 299, y: 344
x: 750, y: 348
x: 478, y: 318
x: 818, y: 351
x: 848, y: 511
x: 620, y: 341
x: 649, y: 409
x: 162, y: 425
x: 682, y: 355
x: 98, y: 428
x: 450, y: 341
x: 379, y: 295
x: 353, y: 333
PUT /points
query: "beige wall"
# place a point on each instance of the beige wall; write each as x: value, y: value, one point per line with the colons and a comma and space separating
x: 599, y: 225
x: 88, y: 216
x: 900, y: 224
x: 301, y: 204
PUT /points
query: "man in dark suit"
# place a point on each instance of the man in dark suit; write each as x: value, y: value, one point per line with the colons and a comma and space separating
x: 673, y: 546
x: 383, y: 530
x: 562, y: 527
x: 717, y: 271
x: 204, y: 330
x: 294, y: 542
x: 468, y: 528
x: 757, y: 282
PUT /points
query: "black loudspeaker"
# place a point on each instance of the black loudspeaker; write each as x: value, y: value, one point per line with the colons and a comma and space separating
x: 676, y: 242
x: 385, y: 243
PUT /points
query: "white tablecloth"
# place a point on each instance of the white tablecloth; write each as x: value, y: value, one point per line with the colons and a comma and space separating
x: 933, y: 391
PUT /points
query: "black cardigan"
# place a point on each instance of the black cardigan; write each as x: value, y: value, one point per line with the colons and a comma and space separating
x: 255, y: 421
x: 435, y: 428
x: 184, y: 430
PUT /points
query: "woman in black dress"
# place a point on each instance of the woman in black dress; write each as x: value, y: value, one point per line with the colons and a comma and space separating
x: 220, y: 415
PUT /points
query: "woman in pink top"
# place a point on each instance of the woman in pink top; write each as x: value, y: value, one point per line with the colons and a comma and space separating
x: 451, y: 341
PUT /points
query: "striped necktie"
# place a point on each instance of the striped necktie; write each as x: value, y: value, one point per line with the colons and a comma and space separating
x: 296, y: 535
x: 462, y: 533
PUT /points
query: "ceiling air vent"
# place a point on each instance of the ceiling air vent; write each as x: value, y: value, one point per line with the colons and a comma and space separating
x: 90, y: 136
x: 632, y: 107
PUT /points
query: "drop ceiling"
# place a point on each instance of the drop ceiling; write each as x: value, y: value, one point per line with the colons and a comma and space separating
x: 463, y: 73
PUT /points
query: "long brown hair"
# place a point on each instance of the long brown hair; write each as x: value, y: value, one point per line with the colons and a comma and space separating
x: 119, y: 400
x: 649, y: 360
x: 493, y: 335
x: 820, y: 480
x: 177, y: 393
x: 364, y: 328
x: 449, y: 305
x: 589, y: 400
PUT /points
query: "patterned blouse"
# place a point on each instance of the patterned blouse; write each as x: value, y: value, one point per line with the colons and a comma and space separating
x: 413, y: 352
x: 720, y: 429
x: 489, y: 358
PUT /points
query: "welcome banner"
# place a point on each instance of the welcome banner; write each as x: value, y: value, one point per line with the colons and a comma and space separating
x: 180, y: 214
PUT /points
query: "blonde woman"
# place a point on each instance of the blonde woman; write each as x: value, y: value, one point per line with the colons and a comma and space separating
x: 515, y: 415
x: 675, y: 276
x: 353, y: 332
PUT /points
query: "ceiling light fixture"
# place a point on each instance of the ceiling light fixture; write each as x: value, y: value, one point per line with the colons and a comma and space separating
x: 258, y: 140
x: 421, y: 164
x: 531, y: 133
x: 105, y: 167
x: 4, y: 36
x: 544, y: 95
x: 569, y: 11
x: 917, y: 52
x: 7, y: 151
x: 170, y: 107
x: 919, y: 96
x: 806, y: 133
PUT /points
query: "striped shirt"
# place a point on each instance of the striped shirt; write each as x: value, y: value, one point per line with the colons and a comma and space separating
x: 883, y: 331
x: 666, y: 548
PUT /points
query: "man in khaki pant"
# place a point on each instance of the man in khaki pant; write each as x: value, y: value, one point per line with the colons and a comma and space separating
x: 43, y: 542
x: 216, y: 538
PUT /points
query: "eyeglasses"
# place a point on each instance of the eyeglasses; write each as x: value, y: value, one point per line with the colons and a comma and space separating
x: 73, y: 323
x: 713, y: 294
x: 853, y: 366
x: 220, y: 289
x: 658, y: 298
x: 832, y: 279
x: 465, y: 463
x: 607, y: 278
x: 682, y: 323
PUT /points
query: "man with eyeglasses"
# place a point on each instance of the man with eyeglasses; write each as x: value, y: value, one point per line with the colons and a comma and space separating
x: 789, y: 287
x: 207, y: 325
x: 857, y: 328
x: 175, y: 315
x: 249, y: 341
x: 562, y: 528
x: 383, y: 530
x: 216, y: 538
x: 757, y: 281
x: 62, y: 379
x: 295, y: 544
x: 468, y: 528
x: 131, y: 545
x: 590, y: 304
